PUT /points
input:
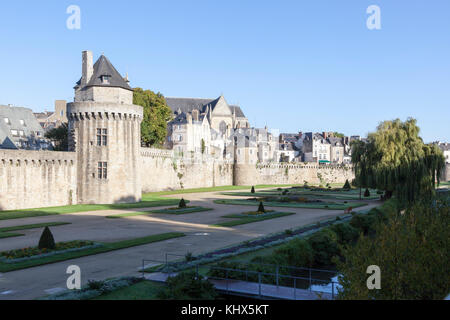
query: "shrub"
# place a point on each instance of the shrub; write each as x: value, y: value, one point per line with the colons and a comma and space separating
x: 220, y: 272
x: 285, y: 192
x: 288, y: 232
x: 187, y: 286
x: 261, y: 207
x: 297, y: 253
x: 253, y: 190
x: 364, y: 223
x: 182, y: 204
x: 367, y: 193
x: 345, y: 233
x: 347, y: 185
x: 324, y: 246
x: 95, y: 285
x: 189, y: 257
x: 46, y: 241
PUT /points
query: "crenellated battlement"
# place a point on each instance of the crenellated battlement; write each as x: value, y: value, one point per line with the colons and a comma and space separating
x: 36, y: 158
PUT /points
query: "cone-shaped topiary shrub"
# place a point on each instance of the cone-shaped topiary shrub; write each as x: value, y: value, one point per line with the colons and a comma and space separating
x: 347, y: 185
x: 47, y: 241
x: 261, y: 208
x: 253, y: 189
x: 367, y: 193
x: 182, y: 204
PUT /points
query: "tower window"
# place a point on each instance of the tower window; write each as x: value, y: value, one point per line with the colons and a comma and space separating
x: 102, y: 170
x: 102, y: 137
x: 105, y: 79
x: 7, y: 121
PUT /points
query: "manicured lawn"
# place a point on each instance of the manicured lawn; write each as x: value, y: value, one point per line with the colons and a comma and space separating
x: 178, y: 211
x: 145, y: 290
x: 33, y: 226
x: 6, y: 232
x: 338, y: 195
x: 240, y: 219
x: 318, y: 205
x: 148, y: 202
x: 6, y: 267
x: 215, y: 189
x: 9, y: 235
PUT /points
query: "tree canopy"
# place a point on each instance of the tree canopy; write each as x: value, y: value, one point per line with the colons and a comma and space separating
x: 59, y: 136
x: 395, y: 159
x: 411, y: 250
x: 156, y: 116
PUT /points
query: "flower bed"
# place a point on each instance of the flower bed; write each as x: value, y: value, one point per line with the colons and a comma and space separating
x: 19, y: 254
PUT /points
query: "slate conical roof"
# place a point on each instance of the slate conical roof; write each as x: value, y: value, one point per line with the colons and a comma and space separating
x: 103, y: 67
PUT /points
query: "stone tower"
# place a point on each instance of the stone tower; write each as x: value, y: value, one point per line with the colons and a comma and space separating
x: 104, y: 130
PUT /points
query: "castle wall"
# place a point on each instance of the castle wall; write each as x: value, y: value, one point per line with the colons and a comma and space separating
x: 161, y: 170
x: 291, y: 174
x: 35, y: 179
x: 445, y: 176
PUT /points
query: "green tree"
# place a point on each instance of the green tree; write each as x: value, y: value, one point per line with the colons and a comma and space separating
x: 411, y: 250
x: 182, y: 204
x: 395, y: 159
x: 203, y: 146
x: 156, y: 116
x: 46, y: 241
x: 187, y: 286
x: 261, y: 207
x: 60, y: 137
x: 347, y: 185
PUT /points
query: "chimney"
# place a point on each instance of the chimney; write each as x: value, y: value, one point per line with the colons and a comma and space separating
x: 195, y: 114
x: 88, y: 67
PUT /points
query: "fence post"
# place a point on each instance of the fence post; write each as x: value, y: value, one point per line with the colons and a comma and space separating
x: 143, y: 265
x: 295, y: 288
x: 226, y: 276
x: 310, y: 279
x: 332, y: 290
x: 166, y: 262
x: 196, y: 267
x: 259, y: 281
x: 277, y: 275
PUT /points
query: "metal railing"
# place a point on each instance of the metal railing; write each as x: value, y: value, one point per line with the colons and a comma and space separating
x: 277, y: 276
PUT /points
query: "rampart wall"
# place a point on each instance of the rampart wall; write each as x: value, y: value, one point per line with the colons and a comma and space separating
x: 35, y: 179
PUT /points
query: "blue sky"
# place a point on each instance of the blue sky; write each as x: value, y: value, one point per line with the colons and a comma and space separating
x: 292, y: 65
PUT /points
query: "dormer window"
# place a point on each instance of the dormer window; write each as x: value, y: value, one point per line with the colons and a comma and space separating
x: 105, y: 79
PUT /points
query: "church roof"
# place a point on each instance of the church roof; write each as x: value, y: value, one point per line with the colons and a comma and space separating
x: 103, y: 67
x: 188, y: 104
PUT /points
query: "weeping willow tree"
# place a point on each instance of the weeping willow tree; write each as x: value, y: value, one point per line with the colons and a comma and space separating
x: 395, y: 159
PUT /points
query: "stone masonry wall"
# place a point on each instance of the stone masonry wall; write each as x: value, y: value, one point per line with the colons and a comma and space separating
x: 35, y: 179
x: 161, y: 170
x: 291, y: 174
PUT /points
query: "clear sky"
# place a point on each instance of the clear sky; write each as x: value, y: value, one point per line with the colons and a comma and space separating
x: 292, y: 65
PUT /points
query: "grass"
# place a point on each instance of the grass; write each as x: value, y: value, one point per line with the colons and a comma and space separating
x: 178, y: 211
x: 215, y: 189
x: 242, y: 219
x: 33, y: 226
x: 148, y: 202
x: 145, y: 290
x: 323, y: 205
x: 6, y: 267
x: 6, y: 232
x: 4, y: 235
